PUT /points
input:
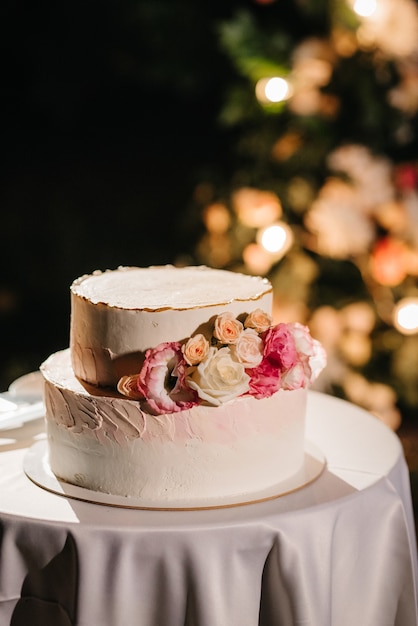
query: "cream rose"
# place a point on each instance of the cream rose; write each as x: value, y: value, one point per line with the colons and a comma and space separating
x: 258, y: 320
x: 195, y: 350
x: 248, y: 349
x: 227, y: 328
x: 219, y: 377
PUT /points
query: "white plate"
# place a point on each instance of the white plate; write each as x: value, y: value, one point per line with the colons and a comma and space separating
x: 23, y: 402
x: 36, y: 467
x: 29, y: 387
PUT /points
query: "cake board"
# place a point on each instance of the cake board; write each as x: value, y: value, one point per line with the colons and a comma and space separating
x: 37, y: 469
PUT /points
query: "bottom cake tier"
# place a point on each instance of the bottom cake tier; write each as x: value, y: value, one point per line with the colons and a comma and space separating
x: 109, y: 444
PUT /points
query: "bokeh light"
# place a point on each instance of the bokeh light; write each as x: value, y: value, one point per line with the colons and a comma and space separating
x: 406, y: 316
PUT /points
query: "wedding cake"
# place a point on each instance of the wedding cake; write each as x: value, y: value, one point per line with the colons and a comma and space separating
x: 177, y: 386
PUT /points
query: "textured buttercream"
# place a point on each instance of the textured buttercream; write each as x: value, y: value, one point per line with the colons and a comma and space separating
x: 109, y: 444
x: 104, y: 442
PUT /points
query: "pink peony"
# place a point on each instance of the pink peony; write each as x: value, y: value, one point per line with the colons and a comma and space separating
x: 264, y: 379
x: 302, y: 337
x: 311, y: 352
x: 162, y: 380
x: 280, y: 346
x: 296, y: 377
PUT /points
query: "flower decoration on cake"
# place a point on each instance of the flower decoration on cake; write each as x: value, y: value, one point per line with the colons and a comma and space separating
x: 240, y: 356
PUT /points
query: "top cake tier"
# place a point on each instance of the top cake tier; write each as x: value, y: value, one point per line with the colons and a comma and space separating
x: 117, y: 315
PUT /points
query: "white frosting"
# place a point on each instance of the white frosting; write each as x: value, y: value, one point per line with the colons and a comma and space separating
x: 168, y: 287
x: 105, y: 442
x: 109, y: 444
x: 117, y: 315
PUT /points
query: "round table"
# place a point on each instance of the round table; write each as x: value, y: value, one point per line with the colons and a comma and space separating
x: 338, y: 552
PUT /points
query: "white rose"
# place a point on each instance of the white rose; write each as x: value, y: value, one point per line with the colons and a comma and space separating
x: 219, y: 377
x: 248, y: 349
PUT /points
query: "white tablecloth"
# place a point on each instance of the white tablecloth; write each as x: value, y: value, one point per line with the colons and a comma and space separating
x: 339, y: 552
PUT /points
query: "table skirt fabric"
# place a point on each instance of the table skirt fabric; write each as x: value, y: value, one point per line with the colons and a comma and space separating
x: 333, y: 554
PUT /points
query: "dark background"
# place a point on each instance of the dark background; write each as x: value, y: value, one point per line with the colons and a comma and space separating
x: 109, y: 117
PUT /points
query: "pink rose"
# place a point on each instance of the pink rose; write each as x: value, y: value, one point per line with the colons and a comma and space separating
x: 162, y: 380
x: 248, y: 348
x: 264, y: 379
x: 196, y: 349
x: 227, y: 328
x: 280, y: 347
x: 259, y: 320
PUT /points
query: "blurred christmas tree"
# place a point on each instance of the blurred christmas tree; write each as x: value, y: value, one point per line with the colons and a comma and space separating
x: 320, y: 189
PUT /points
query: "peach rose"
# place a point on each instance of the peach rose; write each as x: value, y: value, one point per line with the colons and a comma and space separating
x: 259, y: 320
x: 196, y: 349
x: 227, y: 328
x: 128, y: 386
x: 248, y: 348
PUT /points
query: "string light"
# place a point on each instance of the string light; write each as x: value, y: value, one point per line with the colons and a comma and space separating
x: 406, y: 316
x: 276, y: 239
x: 273, y: 90
x: 365, y: 8
x: 273, y: 238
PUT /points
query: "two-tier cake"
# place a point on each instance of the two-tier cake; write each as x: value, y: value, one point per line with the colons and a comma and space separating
x: 177, y: 386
